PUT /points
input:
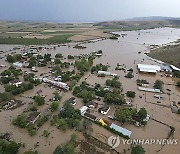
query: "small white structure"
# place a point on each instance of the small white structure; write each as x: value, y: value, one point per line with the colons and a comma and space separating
x: 147, y: 118
x: 104, y: 110
x: 119, y: 129
x: 148, y: 68
x: 149, y: 90
x: 158, y: 96
x: 106, y: 73
x: 18, y: 64
x: 83, y: 110
x: 15, y: 82
x: 57, y: 84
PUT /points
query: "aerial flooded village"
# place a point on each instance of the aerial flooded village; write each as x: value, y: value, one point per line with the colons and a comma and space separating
x: 90, y: 88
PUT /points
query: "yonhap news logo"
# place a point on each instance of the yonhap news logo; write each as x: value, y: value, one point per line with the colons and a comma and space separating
x: 115, y: 141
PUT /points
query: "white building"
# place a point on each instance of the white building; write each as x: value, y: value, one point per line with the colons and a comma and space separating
x: 83, y: 110
x: 57, y: 84
x: 122, y: 130
x: 15, y: 82
x: 174, y: 68
x: 148, y: 68
x: 18, y: 64
x: 149, y: 90
x: 106, y: 73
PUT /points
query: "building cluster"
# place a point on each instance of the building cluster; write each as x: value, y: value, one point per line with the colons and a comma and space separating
x: 84, y: 112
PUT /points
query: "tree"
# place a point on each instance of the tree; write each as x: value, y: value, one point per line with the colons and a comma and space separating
x: 125, y: 115
x: 142, y: 114
x: 39, y: 100
x: 178, y: 83
x: 9, y: 147
x: 6, y: 96
x: 20, y: 121
x: 31, y: 130
x: 131, y: 94
x: 158, y: 84
x: 137, y: 150
x: 59, y: 150
x: 54, y: 106
x: 46, y: 133
x: 113, y: 83
x: 57, y: 96
x: 114, y: 98
x: 58, y: 55
x: 70, y: 57
x: 57, y: 61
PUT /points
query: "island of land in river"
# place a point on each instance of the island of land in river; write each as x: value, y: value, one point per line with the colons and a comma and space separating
x: 49, y: 91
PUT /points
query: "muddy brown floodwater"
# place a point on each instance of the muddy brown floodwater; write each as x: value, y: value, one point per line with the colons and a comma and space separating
x: 123, y: 51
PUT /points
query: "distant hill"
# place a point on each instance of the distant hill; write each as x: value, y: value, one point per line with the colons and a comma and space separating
x: 152, y: 18
x: 141, y: 23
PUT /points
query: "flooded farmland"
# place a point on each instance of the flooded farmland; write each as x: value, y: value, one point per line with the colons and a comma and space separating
x: 127, y: 51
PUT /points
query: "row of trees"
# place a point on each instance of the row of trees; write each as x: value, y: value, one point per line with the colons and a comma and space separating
x: 67, y: 118
x: 114, y: 83
x: 99, y: 67
x: 18, y: 90
x: 84, y: 64
x: 6, y: 96
x: 9, y: 147
x: 127, y: 115
x: 14, y: 58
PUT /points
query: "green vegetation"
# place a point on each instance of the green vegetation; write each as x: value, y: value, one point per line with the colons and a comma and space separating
x: 158, y: 84
x: 129, y: 75
x: 140, y: 82
x: 85, y: 92
x: 178, y: 83
x: 14, y: 58
x: 114, y: 83
x: 6, y: 96
x: 77, y: 46
x: 128, y: 115
x: 68, y: 117
x: 99, y: 67
x: 18, y: 90
x: 54, y: 106
x: 131, y: 94
x: 39, y: 100
x: 113, y: 38
x: 30, y: 77
x: 31, y: 129
x: 46, y: 133
x: 11, y: 72
x: 138, y: 149
x: 20, y: 121
x: 168, y: 54
x: 114, y: 97
x: 58, y: 55
x: 9, y: 147
x: 57, y: 96
x: 83, y: 64
x: 70, y: 57
x: 176, y: 74
x: 125, y: 115
x: 35, y: 41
